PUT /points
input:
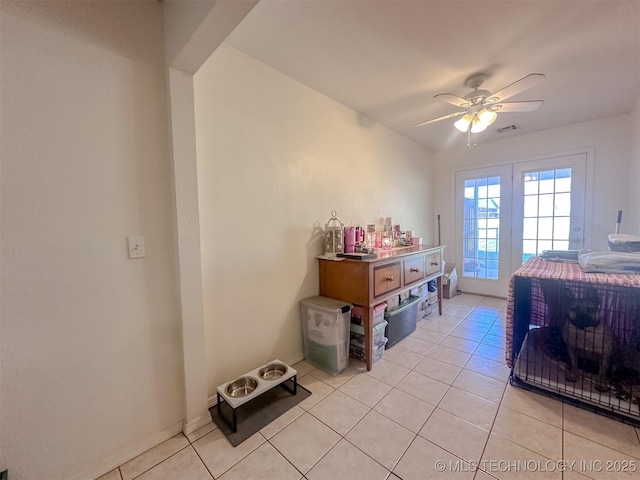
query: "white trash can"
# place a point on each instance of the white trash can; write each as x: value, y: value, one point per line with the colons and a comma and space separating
x: 325, y: 332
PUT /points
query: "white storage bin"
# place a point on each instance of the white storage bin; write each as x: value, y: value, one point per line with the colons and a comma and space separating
x: 357, y: 332
x: 325, y: 331
x: 357, y: 350
x: 378, y: 352
x: 378, y: 314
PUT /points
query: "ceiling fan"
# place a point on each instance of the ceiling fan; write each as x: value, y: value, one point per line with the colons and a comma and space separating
x: 481, y: 107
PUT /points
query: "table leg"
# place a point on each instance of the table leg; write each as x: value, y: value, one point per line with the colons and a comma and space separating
x: 439, y: 288
x: 235, y: 421
x: 233, y: 425
x: 294, y: 390
x: 367, y: 315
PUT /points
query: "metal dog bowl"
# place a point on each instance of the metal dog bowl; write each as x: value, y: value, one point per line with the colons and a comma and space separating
x: 242, y: 387
x: 272, y: 371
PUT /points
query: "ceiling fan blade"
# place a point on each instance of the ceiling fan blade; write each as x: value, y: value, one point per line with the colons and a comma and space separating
x: 453, y: 100
x: 513, y: 107
x: 451, y: 115
x: 518, y: 86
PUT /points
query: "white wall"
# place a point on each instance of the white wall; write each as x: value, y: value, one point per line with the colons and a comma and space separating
x: 192, y: 32
x: 610, y: 137
x: 181, y: 20
x: 631, y: 215
x: 194, y: 29
x: 273, y: 158
x: 91, y: 352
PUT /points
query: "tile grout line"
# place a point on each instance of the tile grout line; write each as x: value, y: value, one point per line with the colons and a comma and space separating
x: 283, y: 456
x: 156, y: 464
x: 202, y: 461
x: 436, y: 407
x: 392, y: 387
x: 491, y: 428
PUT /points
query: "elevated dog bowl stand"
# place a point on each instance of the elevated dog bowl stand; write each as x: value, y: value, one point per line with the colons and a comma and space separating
x: 263, y: 386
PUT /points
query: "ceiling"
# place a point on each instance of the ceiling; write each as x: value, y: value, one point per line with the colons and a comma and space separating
x: 387, y: 59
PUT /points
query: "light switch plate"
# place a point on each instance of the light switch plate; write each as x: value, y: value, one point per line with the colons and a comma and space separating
x: 136, y: 247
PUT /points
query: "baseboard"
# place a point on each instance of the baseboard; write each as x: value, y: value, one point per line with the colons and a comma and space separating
x: 130, y: 452
x: 193, y: 425
x: 212, y: 401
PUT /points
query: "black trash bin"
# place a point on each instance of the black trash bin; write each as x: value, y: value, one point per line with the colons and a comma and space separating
x: 401, y: 320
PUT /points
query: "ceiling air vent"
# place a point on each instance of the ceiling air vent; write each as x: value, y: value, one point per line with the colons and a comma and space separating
x: 510, y: 128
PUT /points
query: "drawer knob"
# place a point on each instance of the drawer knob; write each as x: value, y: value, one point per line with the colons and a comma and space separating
x: 414, y: 270
x: 435, y: 264
x: 390, y: 278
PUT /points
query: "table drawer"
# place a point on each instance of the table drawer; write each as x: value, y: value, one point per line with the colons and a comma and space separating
x: 434, y: 263
x: 386, y: 279
x: 413, y: 269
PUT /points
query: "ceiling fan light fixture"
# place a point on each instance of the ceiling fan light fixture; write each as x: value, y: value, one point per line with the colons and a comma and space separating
x: 482, y: 106
x: 477, y: 126
x: 463, y: 123
x: 487, y: 117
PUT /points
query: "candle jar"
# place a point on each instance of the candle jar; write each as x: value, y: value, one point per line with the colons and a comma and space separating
x: 371, y: 235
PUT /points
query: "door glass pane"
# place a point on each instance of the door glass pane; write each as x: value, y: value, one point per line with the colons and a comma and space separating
x: 481, y: 183
x: 482, y: 208
x: 545, y: 205
x: 563, y: 180
x: 494, y: 187
x: 547, y: 209
x: 481, y: 226
x: 531, y: 206
x: 563, y: 204
x: 530, y: 228
x: 545, y: 228
x: 546, y: 181
x: 561, y: 229
x: 529, y: 249
x: 531, y: 184
x: 544, y: 245
x: 562, y: 245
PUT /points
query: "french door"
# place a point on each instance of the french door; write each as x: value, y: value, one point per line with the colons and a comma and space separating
x: 483, y: 224
x: 509, y: 213
x: 548, y: 206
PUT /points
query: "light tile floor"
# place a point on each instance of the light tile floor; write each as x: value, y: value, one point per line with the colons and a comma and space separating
x: 437, y: 405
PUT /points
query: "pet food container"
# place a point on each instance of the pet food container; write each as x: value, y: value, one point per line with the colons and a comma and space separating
x: 325, y: 333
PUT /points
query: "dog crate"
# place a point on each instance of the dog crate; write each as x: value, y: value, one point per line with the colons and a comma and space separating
x: 582, y: 342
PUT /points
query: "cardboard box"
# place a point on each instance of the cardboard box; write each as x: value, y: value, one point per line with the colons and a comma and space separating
x: 450, y: 281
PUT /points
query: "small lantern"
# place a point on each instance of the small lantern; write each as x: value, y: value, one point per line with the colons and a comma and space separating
x: 334, y: 236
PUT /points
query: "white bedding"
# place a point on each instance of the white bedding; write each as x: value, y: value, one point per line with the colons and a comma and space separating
x: 623, y: 238
x: 609, y: 262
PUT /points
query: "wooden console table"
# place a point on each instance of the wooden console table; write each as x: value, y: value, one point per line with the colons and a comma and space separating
x: 370, y: 282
